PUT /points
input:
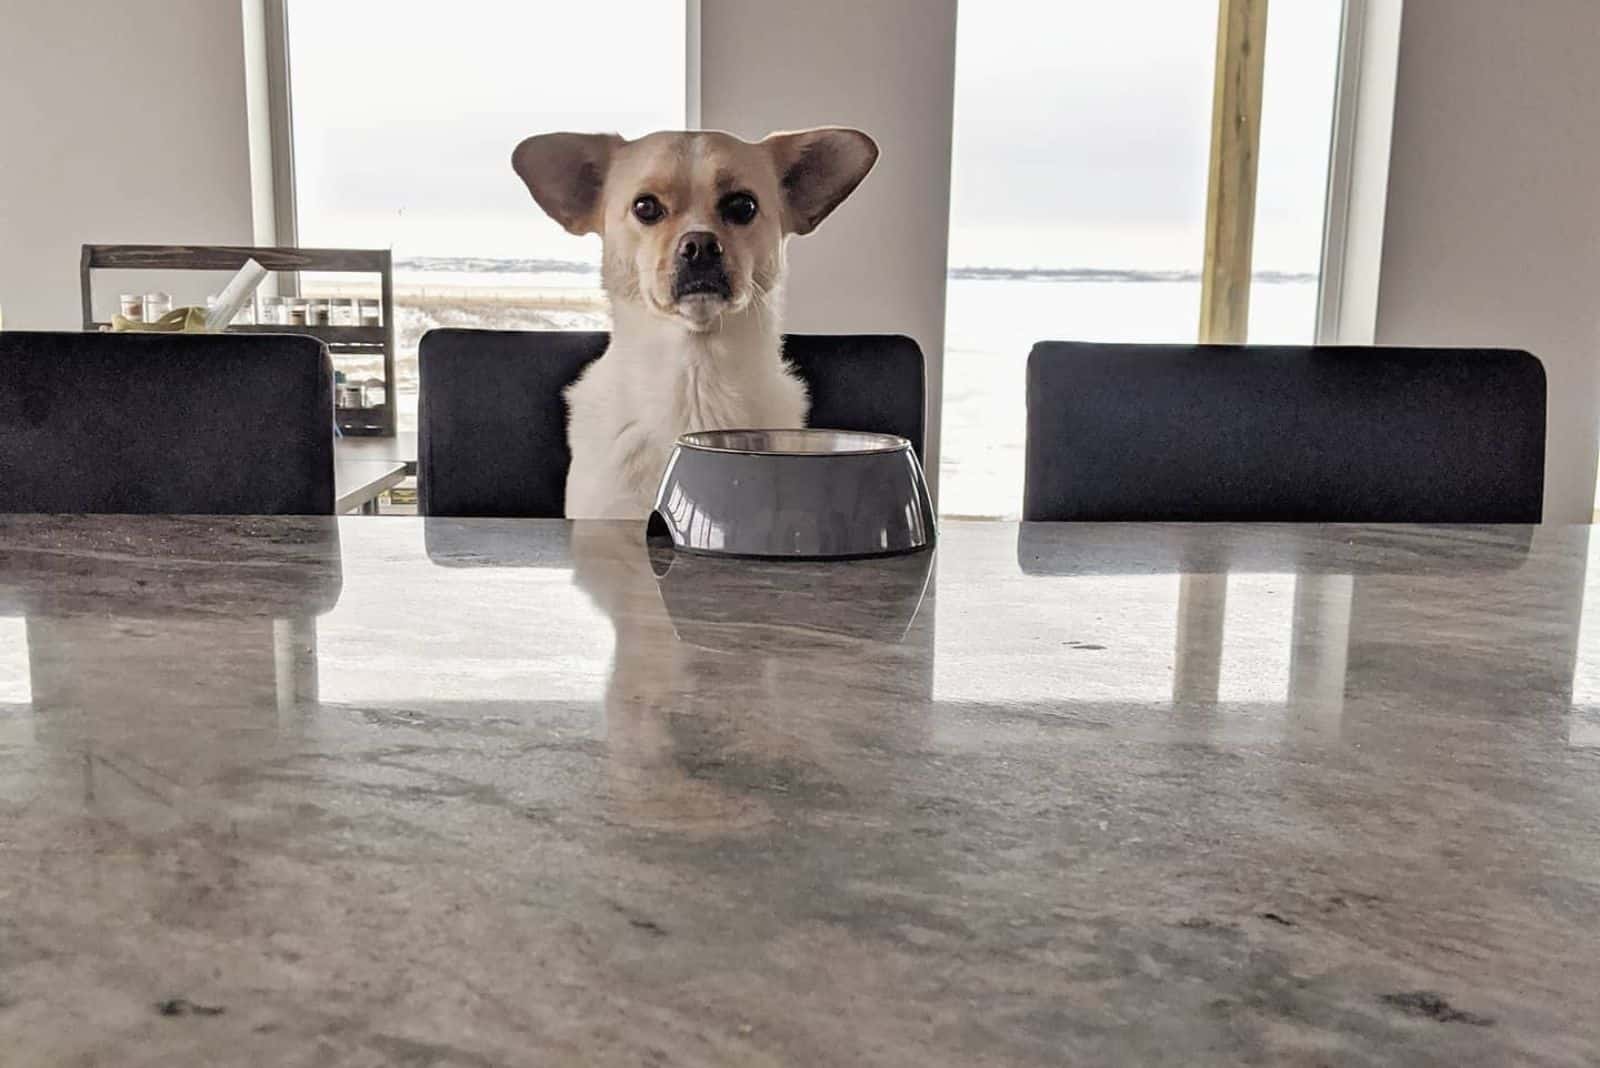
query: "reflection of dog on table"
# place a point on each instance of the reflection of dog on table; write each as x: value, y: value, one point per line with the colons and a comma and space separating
x: 776, y: 643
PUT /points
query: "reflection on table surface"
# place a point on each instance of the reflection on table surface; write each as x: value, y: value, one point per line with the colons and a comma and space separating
x: 1239, y: 792
x: 1247, y: 629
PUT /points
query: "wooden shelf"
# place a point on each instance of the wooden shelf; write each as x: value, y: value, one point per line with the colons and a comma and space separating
x: 341, y: 340
x: 233, y: 257
x: 344, y: 337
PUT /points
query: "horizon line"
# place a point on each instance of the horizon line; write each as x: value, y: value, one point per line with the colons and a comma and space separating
x: 535, y: 265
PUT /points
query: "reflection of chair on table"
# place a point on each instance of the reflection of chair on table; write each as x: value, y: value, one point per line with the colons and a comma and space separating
x: 151, y: 424
x: 110, y: 616
x: 1279, y: 434
x: 1341, y: 580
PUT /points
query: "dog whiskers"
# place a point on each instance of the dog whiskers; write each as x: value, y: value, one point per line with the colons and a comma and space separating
x: 762, y: 296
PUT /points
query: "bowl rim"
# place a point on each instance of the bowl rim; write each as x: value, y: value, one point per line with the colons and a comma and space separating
x: 889, y: 443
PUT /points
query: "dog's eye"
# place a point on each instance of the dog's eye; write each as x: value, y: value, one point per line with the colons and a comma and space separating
x: 738, y: 208
x: 647, y: 209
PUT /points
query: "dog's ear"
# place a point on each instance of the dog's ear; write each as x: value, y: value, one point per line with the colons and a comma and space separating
x: 566, y: 173
x: 817, y: 169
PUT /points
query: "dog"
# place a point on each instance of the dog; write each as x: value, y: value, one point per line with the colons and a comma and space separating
x: 693, y: 227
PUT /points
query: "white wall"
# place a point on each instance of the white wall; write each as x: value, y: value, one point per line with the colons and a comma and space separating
x: 888, y: 67
x: 1492, y: 232
x: 120, y: 123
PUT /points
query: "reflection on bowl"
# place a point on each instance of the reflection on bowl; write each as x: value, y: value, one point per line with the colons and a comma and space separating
x: 794, y: 494
x: 746, y: 606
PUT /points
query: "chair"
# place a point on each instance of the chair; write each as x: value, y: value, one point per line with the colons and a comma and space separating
x: 177, y: 424
x: 492, y: 421
x: 1284, y: 434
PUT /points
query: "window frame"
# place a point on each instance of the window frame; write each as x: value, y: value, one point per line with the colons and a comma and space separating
x: 1358, y: 173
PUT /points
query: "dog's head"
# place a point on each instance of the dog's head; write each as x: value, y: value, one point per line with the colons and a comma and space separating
x: 693, y: 223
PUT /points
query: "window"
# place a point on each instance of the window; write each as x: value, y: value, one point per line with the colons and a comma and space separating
x: 1291, y: 188
x: 1078, y: 208
x: 404, y: 117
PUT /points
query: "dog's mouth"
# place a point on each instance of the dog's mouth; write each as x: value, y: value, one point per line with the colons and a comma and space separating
x: 716, y: 285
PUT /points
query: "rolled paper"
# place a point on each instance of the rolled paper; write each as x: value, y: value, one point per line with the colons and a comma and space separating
x: 238, y: 290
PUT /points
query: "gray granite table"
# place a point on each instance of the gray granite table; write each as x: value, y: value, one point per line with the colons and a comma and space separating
x: 300, y: 792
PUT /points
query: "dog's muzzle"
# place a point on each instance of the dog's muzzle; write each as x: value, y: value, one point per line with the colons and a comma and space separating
x: 700, y: 271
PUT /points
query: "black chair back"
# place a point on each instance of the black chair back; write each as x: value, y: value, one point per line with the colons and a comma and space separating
x: 492, y: 419
x: 233, y: 424
x: 1284, y: 434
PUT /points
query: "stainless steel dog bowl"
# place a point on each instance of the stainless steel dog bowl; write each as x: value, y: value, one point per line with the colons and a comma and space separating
x: 794, y: 494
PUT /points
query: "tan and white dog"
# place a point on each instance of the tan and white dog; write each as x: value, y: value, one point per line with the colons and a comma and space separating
x: 694, y: 226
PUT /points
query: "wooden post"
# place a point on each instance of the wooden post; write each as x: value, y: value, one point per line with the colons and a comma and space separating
x: 1235, y: 146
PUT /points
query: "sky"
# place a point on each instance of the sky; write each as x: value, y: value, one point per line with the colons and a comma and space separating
x: 1082, y: 132
x: 1081, y: 139
x: 406, y: 138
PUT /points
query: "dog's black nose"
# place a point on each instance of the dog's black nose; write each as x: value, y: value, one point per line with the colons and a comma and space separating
x: 699, y: 248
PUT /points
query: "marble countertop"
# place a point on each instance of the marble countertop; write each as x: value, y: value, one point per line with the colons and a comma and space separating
x: 389, y: 791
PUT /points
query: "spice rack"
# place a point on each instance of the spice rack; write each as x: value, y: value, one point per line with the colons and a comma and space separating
x: 342, y: 341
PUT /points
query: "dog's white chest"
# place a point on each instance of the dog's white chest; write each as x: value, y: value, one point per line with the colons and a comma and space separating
x: 625, y: 419
x: 706, y: 400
